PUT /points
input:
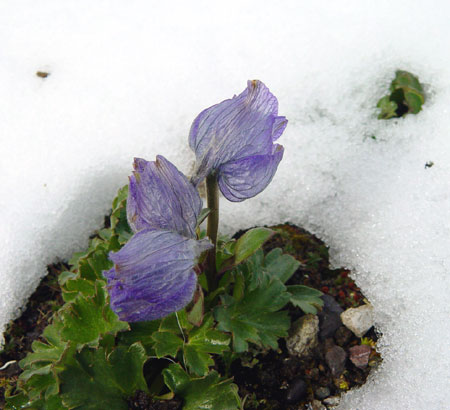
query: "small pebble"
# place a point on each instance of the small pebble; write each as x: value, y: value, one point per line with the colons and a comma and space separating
x: 335, y: 359
x: 359, y: 355
x: 329, y: 316
x: 322, y: 393
x: 332, y: 401
x: 302, y: 338
x: 316, y: 405
x: 297, y: 390
x: 359, y: 320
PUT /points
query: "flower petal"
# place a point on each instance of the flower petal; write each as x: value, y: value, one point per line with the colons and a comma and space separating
x: 153, y: 275
x: 279, y: 125
x: 161, y: 197
x: 243, y: 126
x: 247, y: 177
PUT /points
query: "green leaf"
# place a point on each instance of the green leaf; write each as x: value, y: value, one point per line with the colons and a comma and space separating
x: 281, y: 266
x: 119, y: 222
x: 307, y: 299
x: 388, y: 108
x: 202, y: 342
x: 253, y: 271
x: 203, y: 215
x: 205, y: 393
x: 166, y: 344
x: 92, y: 377
x: 407, y: 96
x: 250, y: 242
x: 87, y: 318
x: 65, y: 276
x: 224, y: 252
x: 414, y: 102
x: 18, y: 401
x: 239, y: 285
x: 99, y: 261
x: 175, y: 322
x: 140, y: 332
x: 39, y: 378
x: 196, y: 313
x: 74, y: 287
x: 75, y: 257
x: 45, y: 353
x: 21, y: 401
x: 256, y: 317
x: 404, y: 79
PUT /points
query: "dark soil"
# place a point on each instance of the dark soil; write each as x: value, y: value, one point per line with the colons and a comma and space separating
x: 142, y: 400
x: 268, y: 380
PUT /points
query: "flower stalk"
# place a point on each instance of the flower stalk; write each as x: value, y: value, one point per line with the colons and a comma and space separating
x: 212, y: 195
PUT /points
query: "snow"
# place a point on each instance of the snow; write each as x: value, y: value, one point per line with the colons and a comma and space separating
x: 127, y: 79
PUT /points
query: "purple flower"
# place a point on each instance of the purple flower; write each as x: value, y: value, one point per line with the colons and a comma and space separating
x: 161, y: 197
x: 235, y: 141
x: 153, y: 274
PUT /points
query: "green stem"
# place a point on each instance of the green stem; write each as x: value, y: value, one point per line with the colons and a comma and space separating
x: 212, y: 195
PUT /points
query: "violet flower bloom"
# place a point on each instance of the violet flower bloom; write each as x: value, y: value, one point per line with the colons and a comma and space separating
x: 235, y: 141
x: 153, y: 274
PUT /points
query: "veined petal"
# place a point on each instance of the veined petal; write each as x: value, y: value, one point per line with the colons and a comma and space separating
x: 243, y: 126
x: 161, y: 197
x: 279, y: 125
x: 153, y: 275
x: 247, y: 177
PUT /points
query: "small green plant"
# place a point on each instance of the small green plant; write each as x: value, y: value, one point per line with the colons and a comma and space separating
x: 87, y: 342
x: 406, y: 97
x: 153, y: 303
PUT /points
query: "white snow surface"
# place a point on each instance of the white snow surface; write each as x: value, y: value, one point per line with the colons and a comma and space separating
x: 128, y: 77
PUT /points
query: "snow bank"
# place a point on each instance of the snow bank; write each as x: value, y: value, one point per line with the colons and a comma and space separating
x: 127, y: 78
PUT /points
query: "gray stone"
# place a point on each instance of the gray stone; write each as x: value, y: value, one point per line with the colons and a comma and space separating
x: 335, y: 358
x: 316, y: 405
x: 359, y: 355
x: 296, y: 391
x: 359, y: 320
x: 322, y: 393
x: 302, y: 339
x: 332, y: 401
x: 329, y: 317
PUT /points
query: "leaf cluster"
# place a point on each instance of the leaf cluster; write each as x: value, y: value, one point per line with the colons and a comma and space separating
x: 406, y: 96
x: 87, y: 356
x: 251, y: 311
x: 76, y: 359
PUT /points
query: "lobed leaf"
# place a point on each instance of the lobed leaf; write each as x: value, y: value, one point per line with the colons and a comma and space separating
x: 140, y: 332
x: 279, y: 265
x: 92, y: 377
x: 202, y: 342
x: 306, y: 298
x: 205, y: 393
x: 87, y: 318
x: 197, y: 349
x: 256, y: 317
